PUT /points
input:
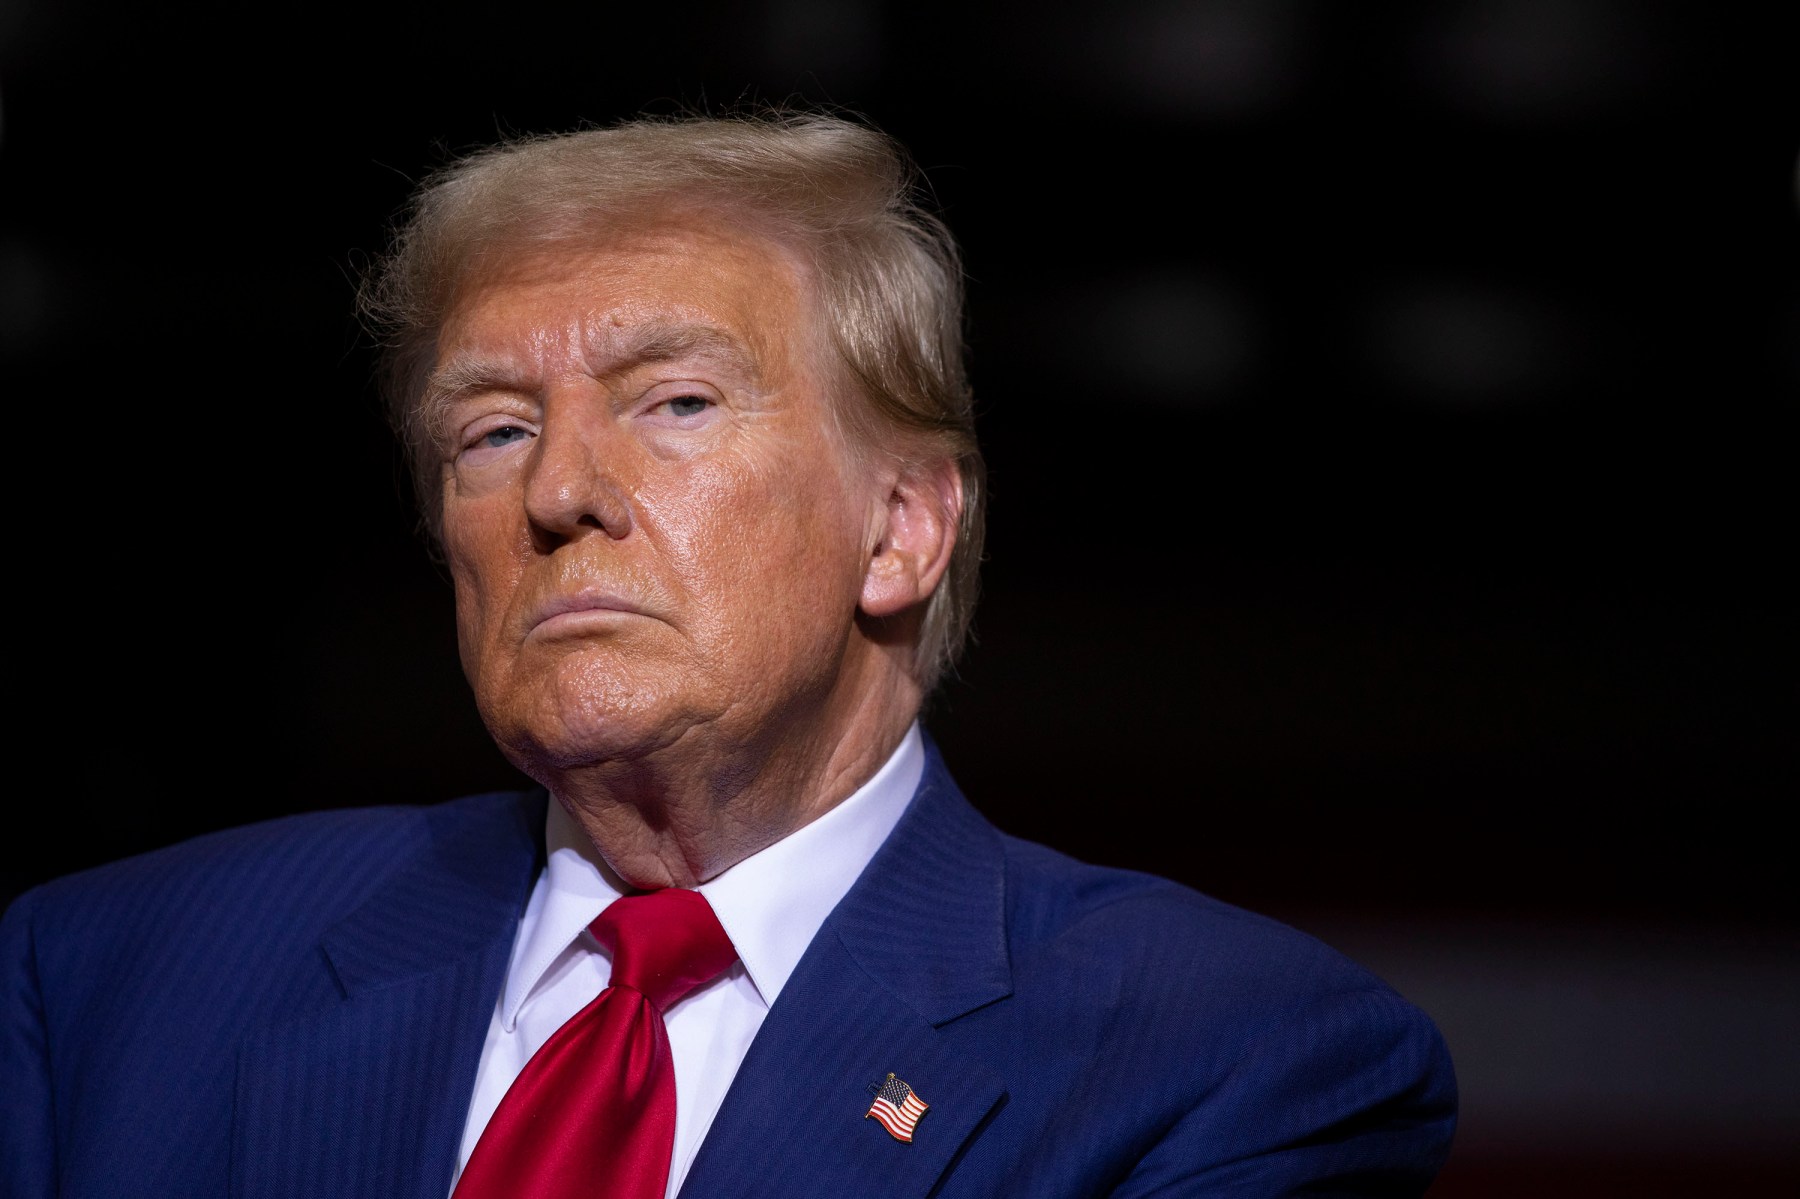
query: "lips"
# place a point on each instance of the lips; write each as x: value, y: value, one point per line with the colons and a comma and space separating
x: 573, y: 609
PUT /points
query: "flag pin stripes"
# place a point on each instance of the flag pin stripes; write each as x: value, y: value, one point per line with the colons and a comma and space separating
x: 896, y: 1107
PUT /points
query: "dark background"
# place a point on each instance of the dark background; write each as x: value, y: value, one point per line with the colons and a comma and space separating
x: 1388, y: 414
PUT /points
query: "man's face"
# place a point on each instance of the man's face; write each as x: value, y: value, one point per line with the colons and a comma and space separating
x: 657, y: 536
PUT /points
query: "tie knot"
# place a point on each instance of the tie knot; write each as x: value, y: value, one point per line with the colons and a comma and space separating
x: 664, y: 943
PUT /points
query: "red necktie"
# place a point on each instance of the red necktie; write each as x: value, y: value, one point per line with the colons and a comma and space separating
x: 592, y: 1115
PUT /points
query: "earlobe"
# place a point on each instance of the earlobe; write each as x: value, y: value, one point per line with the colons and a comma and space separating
x: 918, y: 534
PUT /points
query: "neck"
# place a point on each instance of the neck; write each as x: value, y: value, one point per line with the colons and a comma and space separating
x: 686, y: 812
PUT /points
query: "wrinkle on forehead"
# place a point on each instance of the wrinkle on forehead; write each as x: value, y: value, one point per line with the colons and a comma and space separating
x: 603, y: 313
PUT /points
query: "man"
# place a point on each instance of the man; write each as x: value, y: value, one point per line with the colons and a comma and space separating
x: 687, y: 408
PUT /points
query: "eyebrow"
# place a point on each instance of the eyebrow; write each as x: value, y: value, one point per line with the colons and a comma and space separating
x: 660, y: 342
x: 617, y: 354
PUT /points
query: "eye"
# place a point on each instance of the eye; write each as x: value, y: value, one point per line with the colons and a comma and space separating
x: 679, y: 416
x: 504, y: 435
x: 489, y: 438
x: 688, y: 405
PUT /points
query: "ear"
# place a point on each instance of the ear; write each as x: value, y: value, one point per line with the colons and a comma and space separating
x: 915, y: 534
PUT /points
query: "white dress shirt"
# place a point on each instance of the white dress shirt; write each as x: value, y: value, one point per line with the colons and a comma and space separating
x: 770, y: 904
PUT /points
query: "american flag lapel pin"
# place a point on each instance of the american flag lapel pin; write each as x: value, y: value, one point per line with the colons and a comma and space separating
x: 897, y: 1107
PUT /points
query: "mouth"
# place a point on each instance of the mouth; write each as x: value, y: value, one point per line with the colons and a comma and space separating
x: 578, y: 611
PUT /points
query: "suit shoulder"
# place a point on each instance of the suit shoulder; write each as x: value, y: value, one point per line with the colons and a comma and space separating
x: 1230, y: 1025
x: 1166, y: 936
x: 308, y: 868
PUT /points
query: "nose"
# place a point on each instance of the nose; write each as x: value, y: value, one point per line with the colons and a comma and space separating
x: 573, y: 485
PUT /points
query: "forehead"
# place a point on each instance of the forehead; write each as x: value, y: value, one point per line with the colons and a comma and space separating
x: 666, y: 290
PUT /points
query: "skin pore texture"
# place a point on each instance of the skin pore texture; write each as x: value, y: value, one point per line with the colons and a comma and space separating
x: 685, y: 604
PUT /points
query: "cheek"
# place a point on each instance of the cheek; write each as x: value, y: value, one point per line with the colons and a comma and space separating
x: 469, y: 620
x: 484, y: 569
x: 778, y: 546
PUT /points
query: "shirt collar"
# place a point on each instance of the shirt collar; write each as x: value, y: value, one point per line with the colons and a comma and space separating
x: 771, y: 904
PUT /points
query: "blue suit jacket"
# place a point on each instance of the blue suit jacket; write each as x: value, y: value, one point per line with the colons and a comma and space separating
x: 296, y: 1009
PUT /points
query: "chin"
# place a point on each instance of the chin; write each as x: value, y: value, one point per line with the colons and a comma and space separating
x: 584, y: 714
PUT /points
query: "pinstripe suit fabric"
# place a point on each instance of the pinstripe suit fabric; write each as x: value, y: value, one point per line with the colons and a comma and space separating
x: 296, y: 1009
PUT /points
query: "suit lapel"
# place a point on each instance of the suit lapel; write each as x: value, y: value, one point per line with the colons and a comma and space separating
x: 367, y: 1095
x: 918, y: 943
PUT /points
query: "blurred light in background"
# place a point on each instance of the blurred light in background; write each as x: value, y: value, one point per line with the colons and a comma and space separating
x: 1534, y: 60
x: 1464, y: 342
x: 26, y: 283
x: 834, y: 41
x: 1212, y: 59
x: 1173, y: 338
x: 1787, y: 342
